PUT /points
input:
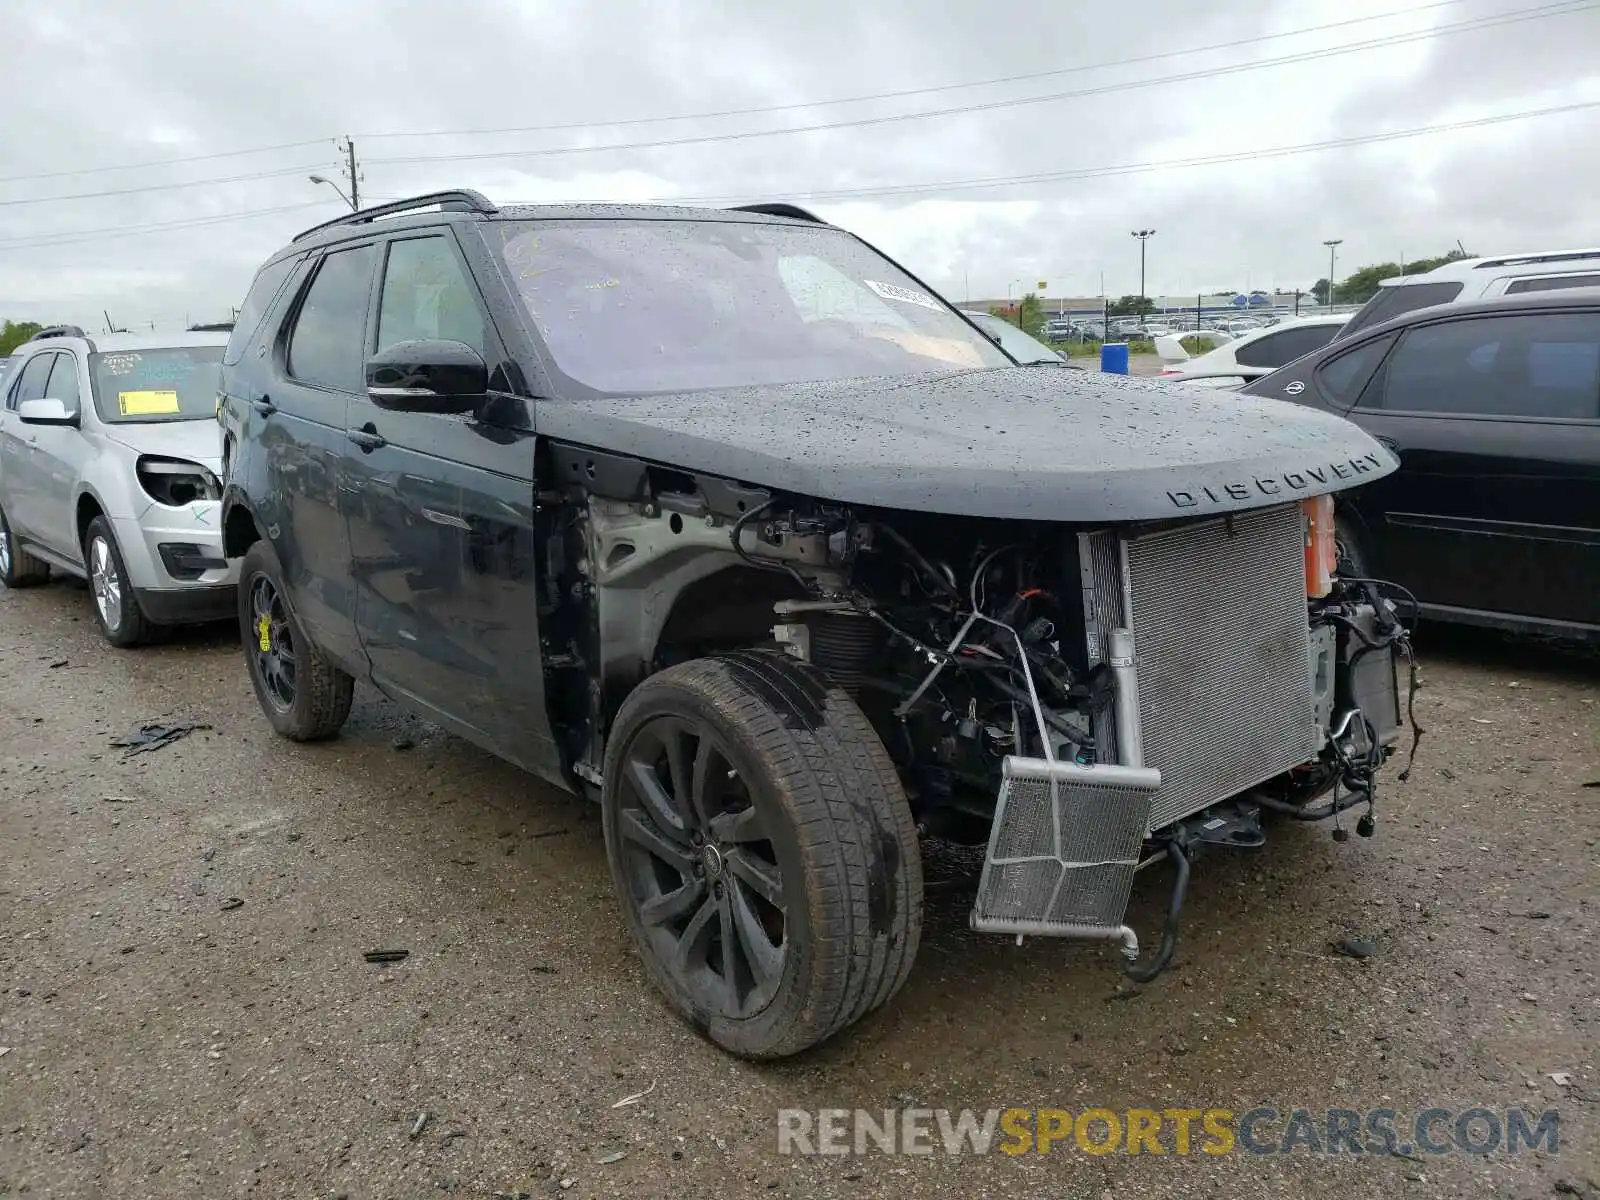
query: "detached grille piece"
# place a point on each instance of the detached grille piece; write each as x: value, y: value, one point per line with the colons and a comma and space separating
x: 1221, y: 643
x: 1063, y: 848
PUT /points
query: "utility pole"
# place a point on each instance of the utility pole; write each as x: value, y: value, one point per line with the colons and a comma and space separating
x: 1144, y: 235
x: 1332, y: 244
x: 352, y: 172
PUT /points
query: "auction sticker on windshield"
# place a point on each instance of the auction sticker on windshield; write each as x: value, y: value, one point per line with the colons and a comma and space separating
x: 893, y: 291
x: 147, y: 403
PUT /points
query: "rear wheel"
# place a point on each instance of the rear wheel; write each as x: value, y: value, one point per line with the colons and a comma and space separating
x: 303, y: 694
x: 116, y: 608
x: 762, y: 849
x: 18, y: 568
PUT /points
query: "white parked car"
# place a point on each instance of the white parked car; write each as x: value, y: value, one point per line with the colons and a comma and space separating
x: 1257, y: 353
x: 109, y: 458
x: 1469, y: 279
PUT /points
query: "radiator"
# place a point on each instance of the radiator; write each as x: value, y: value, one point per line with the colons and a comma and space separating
x: 1063, y: 849
x: 1218, y: 612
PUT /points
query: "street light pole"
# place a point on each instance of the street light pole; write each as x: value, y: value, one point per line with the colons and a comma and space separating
x: 1332, y: 244
x: 335, y: 187
x: 1144, y: 235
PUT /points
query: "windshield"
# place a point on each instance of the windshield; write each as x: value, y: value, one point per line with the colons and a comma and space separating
x: 1012, y: 340
x: 661, y: 306
x: 139, y: 386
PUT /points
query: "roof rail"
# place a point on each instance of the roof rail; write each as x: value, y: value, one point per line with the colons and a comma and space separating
x: 1554, y: 256
x: 781, y: 209
x: 55, y: 331
x: 458, y: 200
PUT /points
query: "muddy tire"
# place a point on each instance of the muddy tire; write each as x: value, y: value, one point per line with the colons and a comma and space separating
x: 304, y: 695
x: 18, y: 568
x: 762, y: 850
x: 116, y: 608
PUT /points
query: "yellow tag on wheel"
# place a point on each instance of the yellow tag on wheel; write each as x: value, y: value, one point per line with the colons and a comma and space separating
x: 148, y: 404
x: 265, y: 630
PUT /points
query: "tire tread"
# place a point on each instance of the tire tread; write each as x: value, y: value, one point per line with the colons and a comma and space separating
x: 850, y: 814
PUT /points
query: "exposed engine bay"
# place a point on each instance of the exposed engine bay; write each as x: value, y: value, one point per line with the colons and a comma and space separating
x: 1081, y: 701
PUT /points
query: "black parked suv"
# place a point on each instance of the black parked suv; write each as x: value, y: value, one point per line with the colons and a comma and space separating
x: 727, y: 520
x: 1494, y: 410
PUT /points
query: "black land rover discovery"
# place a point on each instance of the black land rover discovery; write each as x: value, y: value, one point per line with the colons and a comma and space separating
x: 726, y: 519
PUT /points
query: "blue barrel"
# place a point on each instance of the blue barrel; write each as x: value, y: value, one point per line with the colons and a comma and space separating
x: 1114, y: 358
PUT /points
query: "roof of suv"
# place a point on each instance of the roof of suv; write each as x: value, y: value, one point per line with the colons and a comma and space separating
x: 122, y: 342
x: 1544, y: 262
x: 1587, y: 298
x: 467, y: 205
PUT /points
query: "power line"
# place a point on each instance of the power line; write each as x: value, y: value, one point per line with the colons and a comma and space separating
x: 71, y: 237
x: 1565, y: 8
x: 166, y: 162
x: 924, y: 91
x: 162, y: 187
x: 1145, y: 167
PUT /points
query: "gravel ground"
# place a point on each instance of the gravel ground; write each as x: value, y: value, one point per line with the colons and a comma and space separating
x: 167, y: 1041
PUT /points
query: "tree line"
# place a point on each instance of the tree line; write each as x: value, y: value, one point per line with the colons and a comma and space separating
x: 14, y: 333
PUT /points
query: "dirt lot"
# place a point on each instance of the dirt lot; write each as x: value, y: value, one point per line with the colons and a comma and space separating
x: 164, y: 1041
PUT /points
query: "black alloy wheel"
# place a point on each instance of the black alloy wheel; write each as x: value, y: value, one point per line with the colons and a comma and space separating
x: 701, y: 866
x: 762, y: 849
x: 272, y: 644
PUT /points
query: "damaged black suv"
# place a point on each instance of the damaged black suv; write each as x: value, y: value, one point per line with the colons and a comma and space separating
x: 727, y: 520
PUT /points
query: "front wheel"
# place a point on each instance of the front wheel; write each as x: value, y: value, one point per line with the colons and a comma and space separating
x: 1353, y: 560
x: 116, y: 609
x: 304, y: 695
x: 762, y: 849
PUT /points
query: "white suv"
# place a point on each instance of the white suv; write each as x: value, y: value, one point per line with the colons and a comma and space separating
x: 1477, y: 279
x: 109, y: 456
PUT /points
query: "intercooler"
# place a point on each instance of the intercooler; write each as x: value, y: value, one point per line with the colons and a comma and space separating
x: 1221, y: 643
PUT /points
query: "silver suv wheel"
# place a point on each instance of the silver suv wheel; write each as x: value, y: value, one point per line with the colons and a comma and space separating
x: 105, y: 581
x: 5, y: 552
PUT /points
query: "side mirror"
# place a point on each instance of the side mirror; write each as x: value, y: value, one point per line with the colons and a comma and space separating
x: 428, y: 376
x: 45, y: 412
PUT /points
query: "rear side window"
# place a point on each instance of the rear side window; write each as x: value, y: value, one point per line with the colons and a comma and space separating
x: 327, y: 346
x: 31, y: 383
x: 1526, y: 365
x: 269, y: 282
x: 1553, y: 283
x: 1278, y: 349
x: 1342, y: 377
x: 1402, y: 298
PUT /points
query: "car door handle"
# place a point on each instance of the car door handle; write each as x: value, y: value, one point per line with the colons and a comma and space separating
x: 264, y: 406
x: 368, y: 439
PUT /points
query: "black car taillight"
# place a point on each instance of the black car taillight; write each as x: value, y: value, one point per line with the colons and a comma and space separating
x: 175, y: 483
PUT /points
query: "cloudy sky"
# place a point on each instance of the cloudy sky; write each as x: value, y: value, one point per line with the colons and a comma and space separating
x: 152, y: 153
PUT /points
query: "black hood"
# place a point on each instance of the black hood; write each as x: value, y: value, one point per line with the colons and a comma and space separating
x: 1026, y: 442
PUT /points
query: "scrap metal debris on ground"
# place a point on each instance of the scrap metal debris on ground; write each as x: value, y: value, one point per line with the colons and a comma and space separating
x: 386, y: 956
x: 152, y: 737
